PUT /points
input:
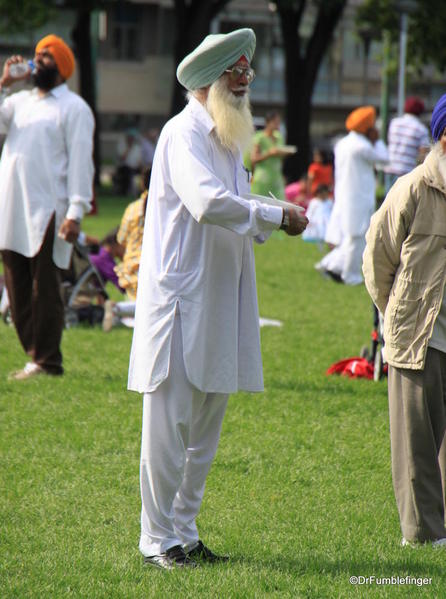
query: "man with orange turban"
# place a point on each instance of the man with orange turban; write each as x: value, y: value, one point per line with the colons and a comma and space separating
x: 46, y: 182
x: 355, y: 158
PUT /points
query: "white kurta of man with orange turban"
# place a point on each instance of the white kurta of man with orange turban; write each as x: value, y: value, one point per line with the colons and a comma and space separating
x: 354, y: 193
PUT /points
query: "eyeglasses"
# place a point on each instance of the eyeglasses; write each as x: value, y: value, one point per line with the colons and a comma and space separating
x: 237, y: 72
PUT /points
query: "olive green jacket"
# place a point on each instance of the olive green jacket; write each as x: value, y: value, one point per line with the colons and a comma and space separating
x: 404, y: 262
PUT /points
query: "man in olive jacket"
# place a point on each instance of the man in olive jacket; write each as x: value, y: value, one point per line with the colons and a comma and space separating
x: 405, y: 272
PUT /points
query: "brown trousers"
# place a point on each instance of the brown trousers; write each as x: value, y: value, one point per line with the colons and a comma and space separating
x: 417, y: 407
x: 36, y: 303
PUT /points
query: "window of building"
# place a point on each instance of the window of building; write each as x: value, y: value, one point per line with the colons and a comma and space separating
x: 126, y: 32
x: 133, y: 32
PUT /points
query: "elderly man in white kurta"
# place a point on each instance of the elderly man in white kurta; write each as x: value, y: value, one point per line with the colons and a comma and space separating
x: 46, y: 180
x: 196, y: 335
x: 355, y: 158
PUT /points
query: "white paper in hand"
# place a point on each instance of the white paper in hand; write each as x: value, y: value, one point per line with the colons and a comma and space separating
x: 272, y: 201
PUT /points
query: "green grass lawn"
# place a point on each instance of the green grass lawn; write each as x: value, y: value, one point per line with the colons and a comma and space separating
x: 300, y: 494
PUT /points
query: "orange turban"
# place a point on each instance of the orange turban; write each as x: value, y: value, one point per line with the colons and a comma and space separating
x: 361, y: 119
x: 61, y: 53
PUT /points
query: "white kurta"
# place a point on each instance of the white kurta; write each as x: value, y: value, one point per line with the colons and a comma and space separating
x: 355, y: 159
x: 355, y: 185
x: 46, y: 167
x: 197, y: 257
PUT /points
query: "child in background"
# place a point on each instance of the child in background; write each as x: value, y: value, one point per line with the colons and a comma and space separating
x: 320, y: 172
x: 105, y: 260
x: 129, y: 235
x: 318, y: 213
x: 298, y: 192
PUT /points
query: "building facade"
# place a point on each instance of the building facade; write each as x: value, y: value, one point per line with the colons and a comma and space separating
x: 133, y: 50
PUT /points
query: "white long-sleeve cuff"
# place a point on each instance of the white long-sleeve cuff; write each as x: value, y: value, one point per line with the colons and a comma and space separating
x: 77, y: 208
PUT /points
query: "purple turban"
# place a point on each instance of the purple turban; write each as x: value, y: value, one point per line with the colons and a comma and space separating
x: 438, y: 120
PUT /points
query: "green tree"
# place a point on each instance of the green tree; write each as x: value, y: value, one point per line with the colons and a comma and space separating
x: 427, y: 24
x: 24, y: 15
x: 303, y: 58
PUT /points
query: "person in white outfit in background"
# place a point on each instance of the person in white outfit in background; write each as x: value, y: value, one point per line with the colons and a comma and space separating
x: 356, y: 155
x: 46, y: 187
x: 196, y: 336
x: 318, y: 213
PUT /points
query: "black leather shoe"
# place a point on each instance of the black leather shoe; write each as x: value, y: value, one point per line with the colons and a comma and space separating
x: 173, y: 558
x: 201, y: 553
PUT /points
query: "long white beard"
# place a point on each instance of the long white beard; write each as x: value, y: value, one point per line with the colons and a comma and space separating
x: 232, y: 116
x: 441, y: 159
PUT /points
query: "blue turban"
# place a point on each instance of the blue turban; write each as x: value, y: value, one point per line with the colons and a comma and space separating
x: 213, y: 56
x: 438, y: 120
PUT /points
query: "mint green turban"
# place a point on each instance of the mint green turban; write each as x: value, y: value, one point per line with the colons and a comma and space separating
x: 216, y: 53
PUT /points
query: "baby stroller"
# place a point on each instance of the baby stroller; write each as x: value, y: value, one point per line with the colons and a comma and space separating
x: 82, y: 286
x: 374, y: 355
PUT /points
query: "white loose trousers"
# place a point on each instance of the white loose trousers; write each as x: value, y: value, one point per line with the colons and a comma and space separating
x: 180, y: 433
x: 346, y: 260
x: 352, y: 269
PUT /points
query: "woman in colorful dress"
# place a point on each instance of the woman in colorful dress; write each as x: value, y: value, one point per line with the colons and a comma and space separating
x: 266, y: 158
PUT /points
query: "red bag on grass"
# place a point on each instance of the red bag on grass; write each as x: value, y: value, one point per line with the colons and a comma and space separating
x: 353, y: 367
